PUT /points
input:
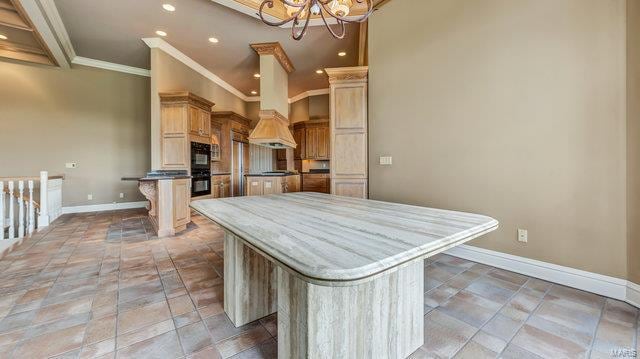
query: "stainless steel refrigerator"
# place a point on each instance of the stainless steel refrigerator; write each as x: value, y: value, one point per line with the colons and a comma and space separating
x: 239, y: 167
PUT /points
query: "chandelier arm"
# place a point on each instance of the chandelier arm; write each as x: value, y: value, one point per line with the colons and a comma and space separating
x: 269, y: 3
x: 340, y: 23
x: 298, y: 36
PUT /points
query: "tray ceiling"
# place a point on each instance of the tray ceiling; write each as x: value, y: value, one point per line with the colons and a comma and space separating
x: 112, y: 31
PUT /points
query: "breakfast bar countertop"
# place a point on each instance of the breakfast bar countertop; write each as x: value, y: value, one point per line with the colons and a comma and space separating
x: 327, y: 238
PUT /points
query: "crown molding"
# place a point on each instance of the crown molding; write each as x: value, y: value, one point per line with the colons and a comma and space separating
x: 275, y: 49
x: 51, y: 12
x: 310, y: 93
x: 79, y: 60
x: 347, y: 74
x: 158, y: 43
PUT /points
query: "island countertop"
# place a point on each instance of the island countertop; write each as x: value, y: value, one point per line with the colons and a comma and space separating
x: 331, y: 238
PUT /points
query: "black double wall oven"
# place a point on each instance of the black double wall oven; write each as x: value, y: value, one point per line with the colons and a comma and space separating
x: 200, y: 169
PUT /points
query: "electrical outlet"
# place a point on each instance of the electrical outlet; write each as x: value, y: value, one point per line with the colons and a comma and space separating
x: 522, y: 235
x: 71, y: 165
x: 121, y: 195
x: 386, y: 160
x: 90, y: 197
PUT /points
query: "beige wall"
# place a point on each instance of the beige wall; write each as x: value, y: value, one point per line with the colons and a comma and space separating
x: 169, y: 74
x: 274, y: 85
x: 253, y: 109
x: 312, y: 107
x: 633, y: 140
x: 319, y: 107
x: 299, y: 111
x: 97, y: 118
x: 514, y: 109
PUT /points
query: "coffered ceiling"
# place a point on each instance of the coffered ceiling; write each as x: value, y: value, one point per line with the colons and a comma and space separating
x: 19, y: 39
x: 112, y: 31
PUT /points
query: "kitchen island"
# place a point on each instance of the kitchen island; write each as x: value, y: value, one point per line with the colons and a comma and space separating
x: 346, y: 275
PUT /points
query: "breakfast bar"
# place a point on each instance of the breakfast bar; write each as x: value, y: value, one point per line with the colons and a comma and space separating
x: 345, y: 275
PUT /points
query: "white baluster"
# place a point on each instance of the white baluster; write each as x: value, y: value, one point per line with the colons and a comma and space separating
x: 43, y: 218
x: 32, y: 214
x: 21, y: 225
x: 1, y: 210
x: 12, y: 228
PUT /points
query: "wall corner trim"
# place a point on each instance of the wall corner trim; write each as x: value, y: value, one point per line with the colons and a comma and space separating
x: 607, y: 286
x: 104, y: 207
x: 79, y: 60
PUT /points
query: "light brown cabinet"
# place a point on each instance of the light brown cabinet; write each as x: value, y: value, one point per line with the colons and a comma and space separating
x: 316, y: 182
x: 262, y: 185
x: 181, y: 200
x: 313, y: 141
x: 221, y: 186
x: 199, y: 122
x: 181, y: 115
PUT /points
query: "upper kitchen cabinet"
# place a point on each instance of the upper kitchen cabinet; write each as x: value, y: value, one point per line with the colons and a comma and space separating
x: 182, y: 115
x: 313, y: 140
x: 199, y: 124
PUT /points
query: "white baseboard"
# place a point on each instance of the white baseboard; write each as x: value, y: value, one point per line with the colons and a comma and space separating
x: 633, y: 294
x: 104, y: 207
x: 607, y: 286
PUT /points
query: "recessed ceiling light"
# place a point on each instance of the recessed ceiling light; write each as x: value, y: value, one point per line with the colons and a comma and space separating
x: 3, y: 37
x: 254, y: 92
x: 213, y: 40
x: 169, y: 7
x: 256, y: 76
x: 161, y: 33
x: 319, y: 72
x: 342, y: 54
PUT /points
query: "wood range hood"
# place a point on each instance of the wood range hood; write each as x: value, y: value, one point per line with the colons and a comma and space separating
x: 272, y: 129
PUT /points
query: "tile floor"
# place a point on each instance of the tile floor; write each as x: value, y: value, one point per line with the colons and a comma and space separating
x: 101, y: 286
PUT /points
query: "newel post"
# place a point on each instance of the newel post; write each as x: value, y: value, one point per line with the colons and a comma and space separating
x: 43, y: 218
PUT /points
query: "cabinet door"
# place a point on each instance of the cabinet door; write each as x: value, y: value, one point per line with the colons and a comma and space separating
x: 269, y: 186
x: 225, y: 186
x: 215, y: 189
x: 205, y: 123
x: 181, y: 198
x: 194, y: 120
x: 175, y: 152
x: 174, y: 141
x: 322, y: 151
x: 311, y: 143
x: 299, y: 152
x: 254, y: 186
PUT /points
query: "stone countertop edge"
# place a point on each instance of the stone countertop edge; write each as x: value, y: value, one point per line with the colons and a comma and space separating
x: 359, y: 274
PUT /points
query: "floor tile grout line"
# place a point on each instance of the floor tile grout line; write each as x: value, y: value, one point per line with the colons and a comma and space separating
x: 544, y: 295
x: 495, y: 315
x: 595, y: 331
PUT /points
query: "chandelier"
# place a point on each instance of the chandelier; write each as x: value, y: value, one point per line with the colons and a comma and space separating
x: 300, y: 12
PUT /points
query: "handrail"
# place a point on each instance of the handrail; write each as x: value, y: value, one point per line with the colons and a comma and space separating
x: 24, y: 198
x: 30, y: 178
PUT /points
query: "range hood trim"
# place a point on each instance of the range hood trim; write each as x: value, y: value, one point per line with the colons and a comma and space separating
x: 272, y: 131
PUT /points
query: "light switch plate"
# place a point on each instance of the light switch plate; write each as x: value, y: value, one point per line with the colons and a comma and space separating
x: 121, y: 195
x: 523, y: 235
x: 89, y: 197
x: 71, y: 165
x: 386, y: 160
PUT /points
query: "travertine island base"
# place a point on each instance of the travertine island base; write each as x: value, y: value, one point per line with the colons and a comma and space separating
x: 345, y: 275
